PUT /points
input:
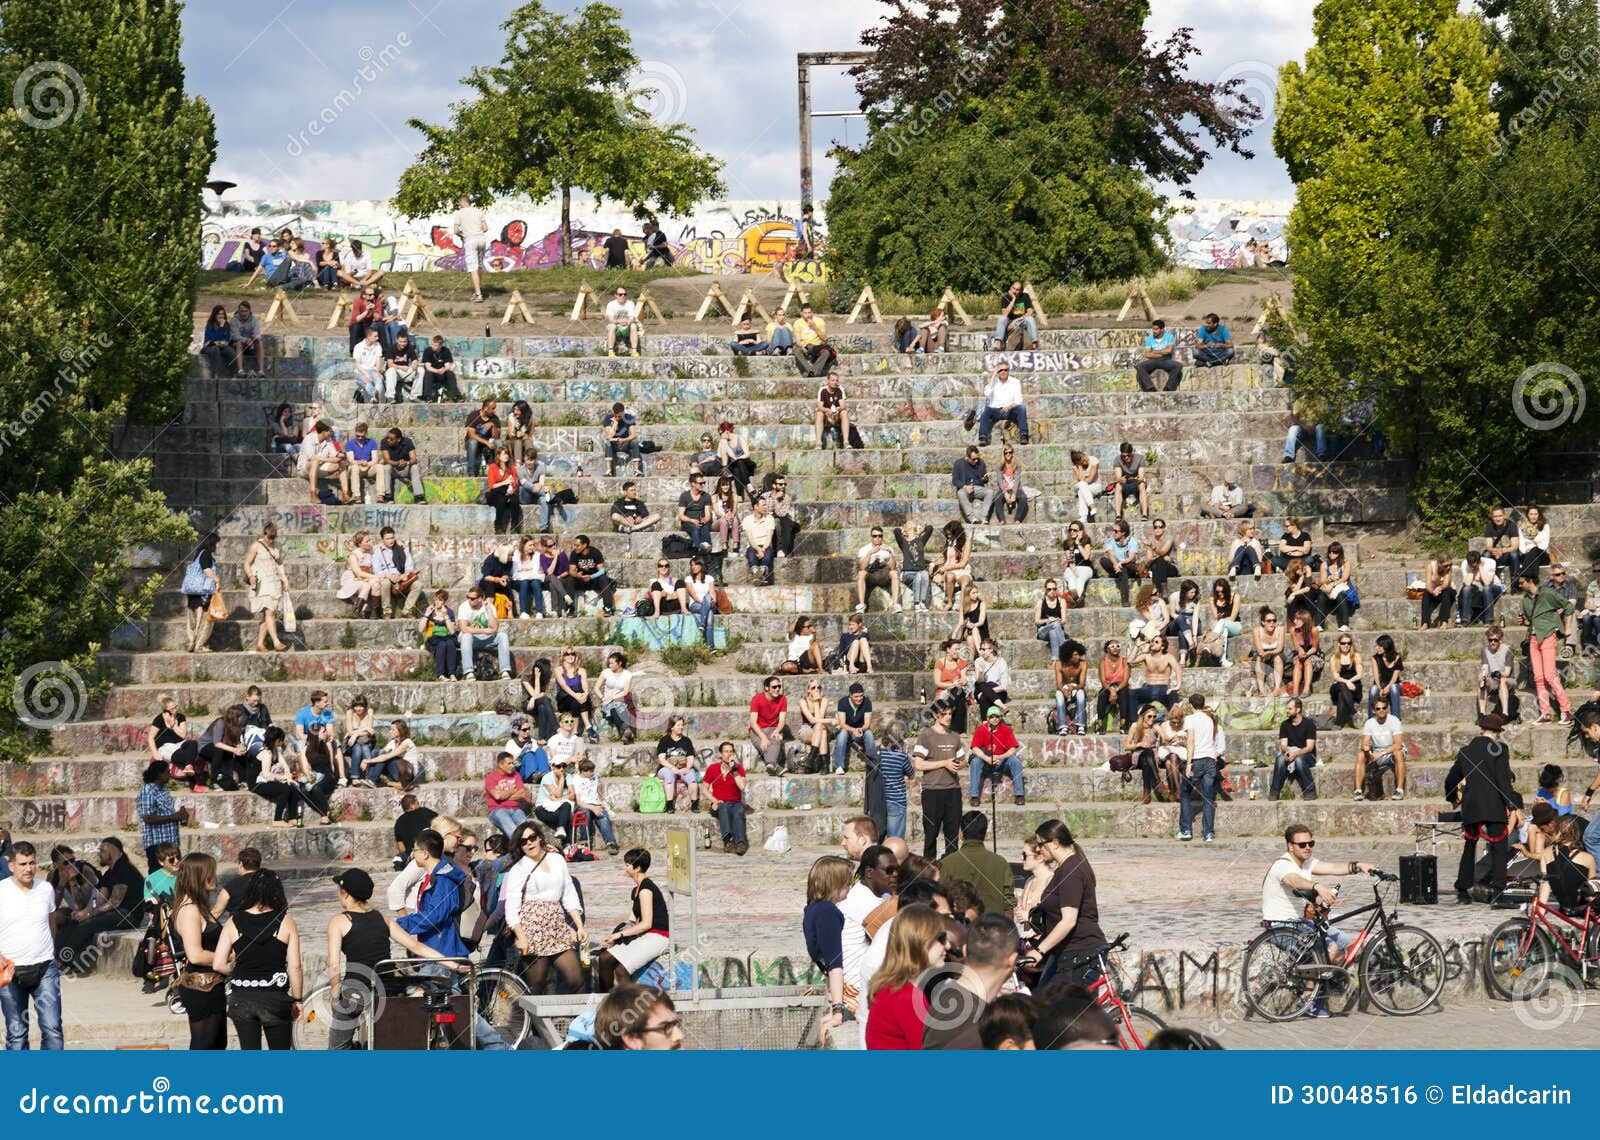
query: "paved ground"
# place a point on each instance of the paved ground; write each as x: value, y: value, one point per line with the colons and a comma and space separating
x: 1465, y: 1024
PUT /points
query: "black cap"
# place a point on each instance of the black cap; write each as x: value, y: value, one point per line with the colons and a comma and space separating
x: 356, y: 883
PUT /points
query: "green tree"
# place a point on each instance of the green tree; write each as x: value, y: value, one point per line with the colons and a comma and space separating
x: 1020, y: 138
x: 1549, y: 52
x: 102, y: 157
x: 557, y: 115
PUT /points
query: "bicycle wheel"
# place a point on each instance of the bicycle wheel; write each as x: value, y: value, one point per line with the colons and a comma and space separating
x: 319, y: 1021
x: 1135, y: 1025
x: 498, y: 994
x: 1275, y: 983
x: 1518, y: 960
x: 1403, y: 973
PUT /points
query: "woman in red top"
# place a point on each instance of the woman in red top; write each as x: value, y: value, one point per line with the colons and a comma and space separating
x: 898, y: 1009
x: 500, y: 491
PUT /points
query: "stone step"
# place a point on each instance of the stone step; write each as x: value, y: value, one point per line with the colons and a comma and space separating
x: 373, y: 842
x: 665, y: 399
x: 100, y: 812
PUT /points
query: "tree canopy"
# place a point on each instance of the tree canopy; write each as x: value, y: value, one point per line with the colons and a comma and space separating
x: 103, y: 157
x: 555, y: 115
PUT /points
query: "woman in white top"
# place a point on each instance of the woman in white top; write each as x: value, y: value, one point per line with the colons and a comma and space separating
x: 357, y: 584
x: 1203, y: 741
x: 1150, y: 620
x: 617, y: 705
x: 991, y: 678
x: 666, y: 592
x: 700, y: 590
x: 803, y: 655
x: 1533, y: 539
x: 383, y: 768
x: 556, y: 800
x: 527, y: 575
x: 1086, y: 470
x: 540, y: 899
x: 814, y: 723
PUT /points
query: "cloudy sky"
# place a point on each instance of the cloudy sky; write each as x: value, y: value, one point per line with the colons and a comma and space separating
x: 359, y: 70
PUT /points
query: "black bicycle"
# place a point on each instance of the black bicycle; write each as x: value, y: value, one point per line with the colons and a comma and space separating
x: 1400, y: 969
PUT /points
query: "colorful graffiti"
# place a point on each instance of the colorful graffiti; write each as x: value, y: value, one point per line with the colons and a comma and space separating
x: 727, y: 237
x: 1211, y: 233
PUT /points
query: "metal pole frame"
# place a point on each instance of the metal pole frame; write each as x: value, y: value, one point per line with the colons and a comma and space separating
x: 805, y: 61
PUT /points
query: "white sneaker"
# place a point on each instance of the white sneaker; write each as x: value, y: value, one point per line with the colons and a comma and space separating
x: 860, y: 608
x: 921, y: 609
x: 343, y: 783
x: 899, y: 609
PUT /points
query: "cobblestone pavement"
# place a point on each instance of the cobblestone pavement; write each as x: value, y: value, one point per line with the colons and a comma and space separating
x: 1464, y: 1024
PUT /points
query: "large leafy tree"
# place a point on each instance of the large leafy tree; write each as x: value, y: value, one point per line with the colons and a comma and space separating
x: 555, y: 115
x: 1434, y: 266
x: 1020, y: 137
x: 102, y: 158
x: 1549, y: 53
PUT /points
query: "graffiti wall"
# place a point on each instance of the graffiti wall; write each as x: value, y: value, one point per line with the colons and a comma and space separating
x: 723, y: 237
x: 1212, y: 233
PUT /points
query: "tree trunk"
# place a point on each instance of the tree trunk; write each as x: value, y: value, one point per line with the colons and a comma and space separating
x: 566, y: 226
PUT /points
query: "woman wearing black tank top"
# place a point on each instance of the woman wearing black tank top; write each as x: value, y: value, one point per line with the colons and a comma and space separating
x: 205, y: 997
x: 260, y: 952
x: 359, y: 936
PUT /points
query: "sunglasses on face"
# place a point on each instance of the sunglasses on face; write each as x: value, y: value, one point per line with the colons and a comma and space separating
x: 1308, y: 844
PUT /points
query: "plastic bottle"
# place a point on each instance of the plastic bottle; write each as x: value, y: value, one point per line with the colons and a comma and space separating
x: 1255, y: 786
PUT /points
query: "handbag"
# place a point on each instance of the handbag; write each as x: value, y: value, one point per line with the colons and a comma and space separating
x: 216, y: 608
x: 724, y: 603
x: 645, y: 607
x: 195, y: 582
x: 290, y: 622
x: 201, y: 981
x: 27, y: 978
x: 1123, y: 762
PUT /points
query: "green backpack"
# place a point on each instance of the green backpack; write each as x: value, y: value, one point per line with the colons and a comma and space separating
x: 652, y: 796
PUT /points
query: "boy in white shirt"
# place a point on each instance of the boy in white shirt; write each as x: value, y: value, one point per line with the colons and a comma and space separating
x: 586, y: 790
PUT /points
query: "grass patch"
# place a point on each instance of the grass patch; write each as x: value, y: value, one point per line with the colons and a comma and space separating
x: 685, y: 659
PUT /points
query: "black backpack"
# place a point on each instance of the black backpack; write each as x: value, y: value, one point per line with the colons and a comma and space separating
x: 676, y: 546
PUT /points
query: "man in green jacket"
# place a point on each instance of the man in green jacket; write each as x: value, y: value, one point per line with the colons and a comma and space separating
x: 984, y: 869
x: 1545, y: 613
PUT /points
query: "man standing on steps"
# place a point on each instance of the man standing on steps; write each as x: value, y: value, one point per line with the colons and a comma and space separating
x: 27, y: 941
x: 1159, y: 356
x: 473, y: 230
x: 1480, y: 780
x: 937, y: 756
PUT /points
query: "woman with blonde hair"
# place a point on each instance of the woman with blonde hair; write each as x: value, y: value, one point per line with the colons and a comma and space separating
x: 814, y: 722
x: 264, y: 574
x: 1038, y: 866
x: 358, y: 585
x: 899, y: 1009
x: 827, y: 883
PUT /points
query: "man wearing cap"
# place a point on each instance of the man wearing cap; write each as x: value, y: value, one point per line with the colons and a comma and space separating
x: 1480, y: 781
x: 1159, y: 349
x: 1002, y: 400
x: 994, y: 746
x: 854, y: 722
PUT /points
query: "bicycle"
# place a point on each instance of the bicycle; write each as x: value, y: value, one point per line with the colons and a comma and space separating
x: 492, y: 991
x: 1400, y: 969
x: 1113, y: 990
x: 1524, y: 953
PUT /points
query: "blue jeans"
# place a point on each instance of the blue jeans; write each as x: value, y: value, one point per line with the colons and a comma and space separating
x: 508, y: 819
x: 699, y: 534
x: 1001, y: 323
x: 1476, y: 603
x: 896, y: 828
x: 991, y: 416
x: 616, y: 452
x: 1011, y: 766
x: 1299, y: 770
x: 1080, y: 707
x: 388, y: 334
x: 1299, y: 435
x: 388, y: 770
x: 782, y: 341
x: 1209, y: 356
x: 497, y: 641
x: 730, y: 821
x: 46, y: 998
x: 1392, y: 692
x: 600, y: 818
x: 485, y: 1033
x: 841, y: 748
x: 755, y: 349
x: 1053, y: 636
x: 705, y: 611
x: 752, y: 560
x: 530, y: 596
x: 1591, y: 840
x: 359, y: 751
x: 1203, y: 782
x: 476, y: 455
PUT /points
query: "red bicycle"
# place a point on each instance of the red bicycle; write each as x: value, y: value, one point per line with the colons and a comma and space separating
x: 1526, y: 952
x: 1113, y: 991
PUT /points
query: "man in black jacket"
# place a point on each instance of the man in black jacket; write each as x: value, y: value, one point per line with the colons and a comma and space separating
x: 1480, y: 780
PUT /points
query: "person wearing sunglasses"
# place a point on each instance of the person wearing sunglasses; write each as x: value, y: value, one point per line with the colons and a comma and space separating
x: 622, y: 323
x: 638, y: 1017
x: 1296, y: 870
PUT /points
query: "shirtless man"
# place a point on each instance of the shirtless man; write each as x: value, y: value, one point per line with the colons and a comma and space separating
x: 1163, y: 676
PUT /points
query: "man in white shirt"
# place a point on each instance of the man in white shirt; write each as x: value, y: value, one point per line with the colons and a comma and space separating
x: 1227, y: 502
x: 473, y: 230
x: 875, y: 878
x: 1002, y: 400
x: 481, y: 629
x: 27, y: 940
x: 319, y: 457
x: 1296, y: 870
x: 622, y: 315
x: 1382, y: 746
x: 368, y: 356
x: 875, y: 569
